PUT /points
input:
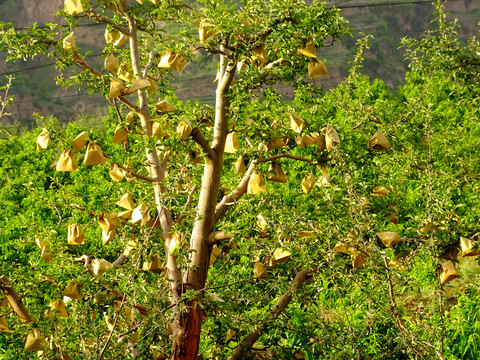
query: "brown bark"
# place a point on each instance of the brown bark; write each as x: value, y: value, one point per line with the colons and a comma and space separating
x: 14, y: 300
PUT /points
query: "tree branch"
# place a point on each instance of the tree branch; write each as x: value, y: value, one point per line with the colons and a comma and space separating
x: 282, y: 303
x: 93, y: 15
x: 230, y: 199
x: 14, y: 300
x: 216, y: 236
x: 200, y: 139
x: 151, y: 59
x: 137, y: 175
x: 285, y: 155
x: 187, y: 204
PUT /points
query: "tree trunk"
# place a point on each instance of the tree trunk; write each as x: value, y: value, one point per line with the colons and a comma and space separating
x: 186, y: 337
x: 187, y: 333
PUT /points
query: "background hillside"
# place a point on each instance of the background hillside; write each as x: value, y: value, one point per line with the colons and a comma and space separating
x: 388, y: 21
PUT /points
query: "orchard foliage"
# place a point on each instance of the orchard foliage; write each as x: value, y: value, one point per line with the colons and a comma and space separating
x: 352, y: 253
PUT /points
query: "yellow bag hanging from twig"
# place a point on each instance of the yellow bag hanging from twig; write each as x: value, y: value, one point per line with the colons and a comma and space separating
x: 34, y: 340
x: 139, y: 84
x: 152, y: 88
x: 280, y: 255
x: 309, y: 49
x: 111, y: 63
x: 297, y: 123
x: 319, y: 140
x: 316, y: 68
x: 304, y: 140
x: 75, y: 235
x: 175, y: 242
x: 140, y: 214
x: 164, y: 106
x: 79, y: 142
x: 173, y: 61
x: 308, y: 182
x: 276, y: 174
x: 69, y: 42
x: 126, y: 202
x: 216, y: 251
x: 115, y: 172
x: 120, y: 136
x: 305, y: 234
x: 205, y: 30
x: 358, y: 260
x: 43, y: 140
x: 115, y: 37
x: 157, y: 130
x: 73, y: 7
x: 94, y: 155
x: 45, y: 255
x: 448, y: 272
x: 108, y: 222
x: 260, y: 54
x: 331, y: 138
x: 325, y: 180
x: 240, y: 165
x: 232, y: 144
x: 380, y: 191
x: 124, y: 73
x: 154, y: 263
x: 72, y: 291
x: 57, y: 308
x: 67, y: 161
x: 379, y: 141
x: 184, y: 129
x: 260, y: 271
x: 389, y: 238
x: 100, y: 266
x: 256, y: 184
x: 276, y: 143
x: 4, y: 326
x: 468, y: 247
x: 117, y: 87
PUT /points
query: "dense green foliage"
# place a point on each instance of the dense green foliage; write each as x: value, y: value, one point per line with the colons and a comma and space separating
x: 393, y: 307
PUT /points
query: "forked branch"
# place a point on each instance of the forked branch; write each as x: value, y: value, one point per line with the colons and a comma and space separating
x: 230, y: 199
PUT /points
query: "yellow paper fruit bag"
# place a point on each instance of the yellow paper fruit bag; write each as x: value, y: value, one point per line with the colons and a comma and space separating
x: 69, y: 42
x: 379, y: 141
x: 308, y: 182
x: 448, y: 272
x: 316, y: 68
x: 67, y: 161
x: 75, y: 235
x: 256, y: 184
x: 232, y: 144
x: 117, y: 87
x: 73, y: 7
x: 115, y: 172
x: 94, y: 155
x: 309, y: 49
x: 34, y: 340
x: 43, y: 140
x: 111, y: 63
x: 79, y: 142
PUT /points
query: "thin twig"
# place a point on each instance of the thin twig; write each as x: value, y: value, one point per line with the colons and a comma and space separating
x: 113, y: 328
x: 187, y: 204
x: 285, y: 155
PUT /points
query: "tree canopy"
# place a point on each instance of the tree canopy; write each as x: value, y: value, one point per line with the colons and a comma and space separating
x: 325, y: 225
